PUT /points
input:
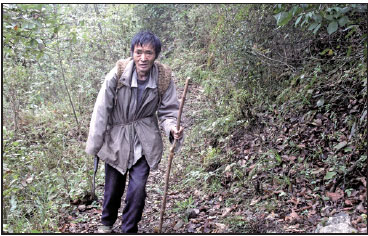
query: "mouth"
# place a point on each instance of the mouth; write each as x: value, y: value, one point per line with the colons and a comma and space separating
x: 143, y: 65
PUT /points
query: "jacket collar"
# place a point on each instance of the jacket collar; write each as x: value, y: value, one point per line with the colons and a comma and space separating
x: 130, y: 76
x: 151, y: 80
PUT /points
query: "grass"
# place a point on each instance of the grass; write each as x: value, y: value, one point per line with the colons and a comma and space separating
x: 44, y: 167
x: 238, y: 224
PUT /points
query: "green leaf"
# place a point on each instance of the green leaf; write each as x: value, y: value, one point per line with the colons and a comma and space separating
x: 325, y: 198
x: 283, y: 18
x: 304, y: 5
x: 13, y: 203
x: 278, y: 158
x: 39, y: 55
x: 343, y: 21
x: 324, y: 51
x: 304, y: 21
x: 349, y: 51
x: 286, y: 18
x: 317, y: 18
x: 320, y: 102
x: 317, y: 28
x: 312, y: 26
x: 27, y: 6
x: 298, y: 20
x: 278, y: 16
x: 340, y: 145
x: 352, y: 29
x: 296, y: 10
x: 33, y: 42
x: 282, y: 194
x: 329, y: 17
x: 31, y: 25
x: 363, y: 116
x: 345, y: 10
x: 332, y: 27
x: 329, y: 175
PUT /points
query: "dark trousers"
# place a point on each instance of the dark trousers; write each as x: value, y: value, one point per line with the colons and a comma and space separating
x: 135, y: 198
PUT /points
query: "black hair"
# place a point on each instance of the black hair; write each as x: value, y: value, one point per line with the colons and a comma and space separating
x: 144, y: 38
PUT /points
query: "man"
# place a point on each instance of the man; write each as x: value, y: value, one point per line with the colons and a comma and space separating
x: 124, y: 129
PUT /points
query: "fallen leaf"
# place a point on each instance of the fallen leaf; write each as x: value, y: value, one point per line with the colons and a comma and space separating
x: 357, y: 221
x: 228, y: 168
x: 335, y: 196
x: 317, y: 122
x: 197, y: 193
x: 347, y: 208
x: 363, y: 197
x: 82, y: 207
x: 348, y: 202
x: 193, y: 213
x: 221, y: 227
x: 272, y: 216
x: 315, y: 172
x: 254, y: 201
x: 361, y: 208
x: 74, y: 202
x: 24, y: 183
x: 178, y: 225
x: 29, y: 179
x: 293, y: 216
x: 340, y: 145
x: 203, y: 208
x: 320, y: 102
x: 191, y: 228
x: 363, y: 181
x: 226, y: 211
x: 62, y: 229
x: 252, y: 166
x: 312, y: 212
x: 206, y: 228
x: 329, y: 175
x: 236, y: 190
x: 294, y: 200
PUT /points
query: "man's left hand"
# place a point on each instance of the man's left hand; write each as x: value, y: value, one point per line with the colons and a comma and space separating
x: 178, y: 134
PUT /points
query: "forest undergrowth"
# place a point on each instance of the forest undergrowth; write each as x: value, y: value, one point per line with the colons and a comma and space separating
x: 270, y: 179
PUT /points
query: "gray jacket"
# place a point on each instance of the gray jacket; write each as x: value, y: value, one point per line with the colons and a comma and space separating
x: 112, y: 129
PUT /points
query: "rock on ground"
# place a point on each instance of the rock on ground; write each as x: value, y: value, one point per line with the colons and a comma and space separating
x: 337, y: 224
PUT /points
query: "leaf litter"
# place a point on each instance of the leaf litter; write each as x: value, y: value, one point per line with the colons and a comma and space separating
x: 291, y: 192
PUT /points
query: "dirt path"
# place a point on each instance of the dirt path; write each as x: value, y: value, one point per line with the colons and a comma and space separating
x: 188, y: 209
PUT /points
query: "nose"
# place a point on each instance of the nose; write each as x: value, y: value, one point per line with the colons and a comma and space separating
x: 143, y: 57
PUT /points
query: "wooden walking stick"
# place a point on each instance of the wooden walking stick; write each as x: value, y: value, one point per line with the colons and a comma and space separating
x: 171, y: 156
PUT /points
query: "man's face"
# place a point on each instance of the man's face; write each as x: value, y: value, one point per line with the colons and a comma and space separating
x: 144, y: 57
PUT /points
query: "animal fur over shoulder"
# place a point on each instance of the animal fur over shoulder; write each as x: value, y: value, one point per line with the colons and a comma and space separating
x: 164, y: 74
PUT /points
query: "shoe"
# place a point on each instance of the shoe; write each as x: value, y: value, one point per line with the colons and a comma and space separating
x: 104, y: 229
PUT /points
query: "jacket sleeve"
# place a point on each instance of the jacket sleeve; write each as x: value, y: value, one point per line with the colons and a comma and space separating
x: 168, y: 112
x: 101, y: 112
